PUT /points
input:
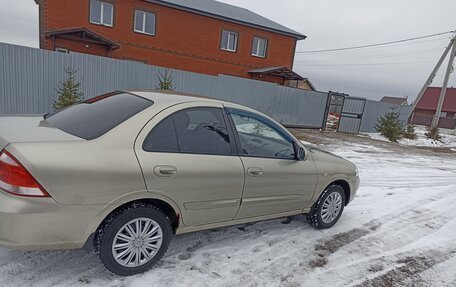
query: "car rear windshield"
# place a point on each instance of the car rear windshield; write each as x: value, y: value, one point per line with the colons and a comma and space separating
x: 95, y: 117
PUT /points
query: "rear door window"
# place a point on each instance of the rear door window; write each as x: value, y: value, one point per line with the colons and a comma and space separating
x: 95, y: 117
x: 202, y: 130
x: 194, y: 130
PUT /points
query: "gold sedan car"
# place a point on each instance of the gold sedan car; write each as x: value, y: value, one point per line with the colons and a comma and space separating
x: 123, y: 172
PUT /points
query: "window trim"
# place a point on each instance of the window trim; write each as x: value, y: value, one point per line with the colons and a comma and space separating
x: 258, y: 47
x: 235, y: 43
x: 226, y: 118
x: 263, y: 120
x: 144, y: 22
x: 101, y: 15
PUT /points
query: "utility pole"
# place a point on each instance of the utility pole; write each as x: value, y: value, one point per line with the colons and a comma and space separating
x: 432, y: 76
x: 435, y: 120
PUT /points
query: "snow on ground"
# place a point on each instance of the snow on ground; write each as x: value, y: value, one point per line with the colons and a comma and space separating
x: 399, y: 231
x: 448, y: 138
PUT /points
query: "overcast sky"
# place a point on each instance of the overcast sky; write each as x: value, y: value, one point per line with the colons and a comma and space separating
x: 396, y: 70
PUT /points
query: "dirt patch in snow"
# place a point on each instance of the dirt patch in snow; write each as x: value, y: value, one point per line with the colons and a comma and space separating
x: 340, y: 240
x: 337, y: 241
x: 407, y: 274
x: 408, y: 270
x: 329, y: 246
x: 187, y: 254
x: 376, y: 268
x: 318, y: 262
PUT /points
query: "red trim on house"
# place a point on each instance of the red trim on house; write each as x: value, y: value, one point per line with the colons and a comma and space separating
x: 431, y: 96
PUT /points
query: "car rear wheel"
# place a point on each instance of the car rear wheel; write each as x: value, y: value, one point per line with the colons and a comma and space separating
x: 134, y: 239
x: 328, y: 208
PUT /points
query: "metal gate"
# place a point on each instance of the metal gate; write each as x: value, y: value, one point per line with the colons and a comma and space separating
x: 351, y: 116
x: 333, y: 111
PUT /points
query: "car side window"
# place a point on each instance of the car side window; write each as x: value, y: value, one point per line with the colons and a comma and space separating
x: 202, y: 131
x: 162, y: 138
x: 261, y: 139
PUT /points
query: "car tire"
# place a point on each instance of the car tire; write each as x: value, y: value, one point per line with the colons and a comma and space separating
x: 328, y: 209
x: 118, y: 242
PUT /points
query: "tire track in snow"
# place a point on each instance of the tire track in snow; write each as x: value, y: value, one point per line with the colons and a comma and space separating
x: 382, y: 239
x: 51, y: 267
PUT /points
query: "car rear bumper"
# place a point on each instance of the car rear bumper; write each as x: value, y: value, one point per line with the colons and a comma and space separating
x: 42, y: 224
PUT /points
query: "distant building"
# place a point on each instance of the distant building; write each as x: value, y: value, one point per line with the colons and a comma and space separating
x: 203, y: 36
x: 427, y: 106
x: 395, y: 101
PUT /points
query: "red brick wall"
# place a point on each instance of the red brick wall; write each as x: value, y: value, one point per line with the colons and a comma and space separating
x: 183, y: 40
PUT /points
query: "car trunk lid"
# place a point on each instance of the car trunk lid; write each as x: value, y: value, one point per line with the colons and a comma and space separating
x: 30, y: 129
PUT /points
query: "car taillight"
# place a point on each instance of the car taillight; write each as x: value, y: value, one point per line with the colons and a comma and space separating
x: 15, y: 179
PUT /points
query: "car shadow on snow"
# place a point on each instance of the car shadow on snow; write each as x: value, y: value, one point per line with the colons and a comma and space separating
x: 79, y: 267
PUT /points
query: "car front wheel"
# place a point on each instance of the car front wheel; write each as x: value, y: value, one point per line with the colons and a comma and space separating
x: 328, y: 208
x: 134, y: 239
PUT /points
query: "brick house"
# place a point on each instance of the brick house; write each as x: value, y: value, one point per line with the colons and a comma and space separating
x: 427, y: 106
x: 202, y: 36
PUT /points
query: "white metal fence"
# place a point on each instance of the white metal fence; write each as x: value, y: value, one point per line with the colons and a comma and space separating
x: 29, y: 77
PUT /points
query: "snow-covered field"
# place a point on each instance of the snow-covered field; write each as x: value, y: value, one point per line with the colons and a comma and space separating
x: 448, y: 138
x: 399, y: 231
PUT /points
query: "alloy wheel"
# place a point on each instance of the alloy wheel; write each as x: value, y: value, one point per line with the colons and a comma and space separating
x: 331, y: 207
x: 137, y: 242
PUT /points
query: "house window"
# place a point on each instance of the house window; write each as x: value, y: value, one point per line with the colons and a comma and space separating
x: 443, y: 114
x: 229, y: 41
x: 101, y: 13
x: 144, y: 22
x: 259, y: 47
x: 62, y: 50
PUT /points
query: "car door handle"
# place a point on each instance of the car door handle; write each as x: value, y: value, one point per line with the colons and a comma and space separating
x: 165, y: 171
x: 255, y: 171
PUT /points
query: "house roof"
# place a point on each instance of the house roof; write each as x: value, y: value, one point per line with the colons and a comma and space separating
x: 394, y: 100
x: 215, y: 9
x: 430, y: 100
x: 83, y: 33
x: 282, y: 72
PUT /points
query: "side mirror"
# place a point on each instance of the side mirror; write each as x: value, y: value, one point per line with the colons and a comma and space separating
x: 300, y: 153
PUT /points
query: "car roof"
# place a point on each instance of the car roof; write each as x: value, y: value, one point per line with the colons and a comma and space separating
x: 171, y: 97
x: 166, y: 98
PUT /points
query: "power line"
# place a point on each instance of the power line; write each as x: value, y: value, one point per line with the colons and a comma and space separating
x: 366, y: 64
x: 401, y: 45
x: 363, y: 58
x: 374, y: 45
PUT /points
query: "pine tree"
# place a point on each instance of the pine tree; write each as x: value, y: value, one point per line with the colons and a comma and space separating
x: 68, y: 91
x: 390, y: 126
x: 165, y: 80
x: 410, y: 132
